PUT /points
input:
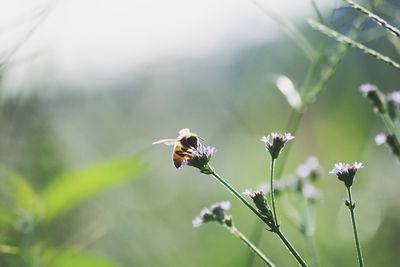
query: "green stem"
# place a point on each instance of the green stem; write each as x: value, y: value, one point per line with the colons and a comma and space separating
x: 273, y: 193
x: 237, y: 194
x: 248, y: 205
x: 391, y: 126
x: 291, y: 248
x: 247, y: 242
x: 317, y: 11
x: 351, y: 207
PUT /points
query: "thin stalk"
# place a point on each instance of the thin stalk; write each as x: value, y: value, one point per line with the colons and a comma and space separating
x: 237, y: 194
x: 291, y: 248
x: 380, y: 21
x: 317, y: 11
x: 348, y: 41
x: 351, y: 207
x: 391, y: 126
x: 273, y: 193
x: 248, y: 205
x: 247, y: 242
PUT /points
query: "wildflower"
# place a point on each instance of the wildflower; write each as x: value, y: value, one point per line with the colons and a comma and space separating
x: 375, y: 96
x: 275, y: 143
x: 309, y: 170
x: 217, y: 212
x: 259, y: 200
x: 346, y: 172
x: 394, y: 96
x: 200, y: 156
x: 310, y: 192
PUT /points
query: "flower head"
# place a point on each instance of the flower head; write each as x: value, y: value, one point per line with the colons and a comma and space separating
x: 200, y: 157
x: 394, y: 96
x: 275, y: 142
x: 310, y: 192
x: 346, y: 172
x: 217, y: 212
x: 309, y: 169
x: 375, y: 96
x: 259, y: 200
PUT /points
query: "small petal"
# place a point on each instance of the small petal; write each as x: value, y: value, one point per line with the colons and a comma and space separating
x: 346, y: 172
x: 380, y: 139
x: 394, y: 96
x: 275, y: 142
x: 197, y: 222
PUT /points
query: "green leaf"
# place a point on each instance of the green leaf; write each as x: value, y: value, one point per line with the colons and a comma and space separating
x: 71, y: 258
x: 17, y: 197
x: 70, y: 189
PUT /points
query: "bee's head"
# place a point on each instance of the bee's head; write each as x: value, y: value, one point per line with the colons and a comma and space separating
x: 190, y: 141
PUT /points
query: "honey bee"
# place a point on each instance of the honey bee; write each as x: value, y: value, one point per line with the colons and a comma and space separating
x: 183, y: 146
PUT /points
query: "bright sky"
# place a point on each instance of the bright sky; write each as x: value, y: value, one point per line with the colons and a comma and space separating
x: 92, y: 37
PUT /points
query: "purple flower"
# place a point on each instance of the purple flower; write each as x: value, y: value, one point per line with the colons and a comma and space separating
x: 275, y: 142
x: 217, y: 212
x: 310, y: 192
x: 368, y: 88
x: 309, y: 170
x: 201, y: 155
x: 394, y: 96
x: 346, y: 172
x: 375, y: 96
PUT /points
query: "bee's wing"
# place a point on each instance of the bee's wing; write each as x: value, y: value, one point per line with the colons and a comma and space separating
x: 168, y: 142
x: 184, y: 132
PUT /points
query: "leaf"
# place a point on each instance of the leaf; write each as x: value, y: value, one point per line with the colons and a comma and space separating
x: 18, y: 197
x: 72, y: 258
x: 71, y: 189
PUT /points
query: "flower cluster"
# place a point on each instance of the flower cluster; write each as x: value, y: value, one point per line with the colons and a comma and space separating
x: 346, y: 172
x: 389, y: 107
x: 216, y: 213
x: 310, y: 169
x: 200, y: 157
x: 275, y: 143
x: 261, y: 203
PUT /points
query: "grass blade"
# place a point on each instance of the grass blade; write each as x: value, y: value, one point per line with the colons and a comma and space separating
x: 344, y: 39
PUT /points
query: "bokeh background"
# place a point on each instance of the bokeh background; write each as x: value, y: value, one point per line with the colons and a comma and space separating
x: 87, y: 86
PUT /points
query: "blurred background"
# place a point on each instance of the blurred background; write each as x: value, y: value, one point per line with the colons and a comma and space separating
x: 87, y: 86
